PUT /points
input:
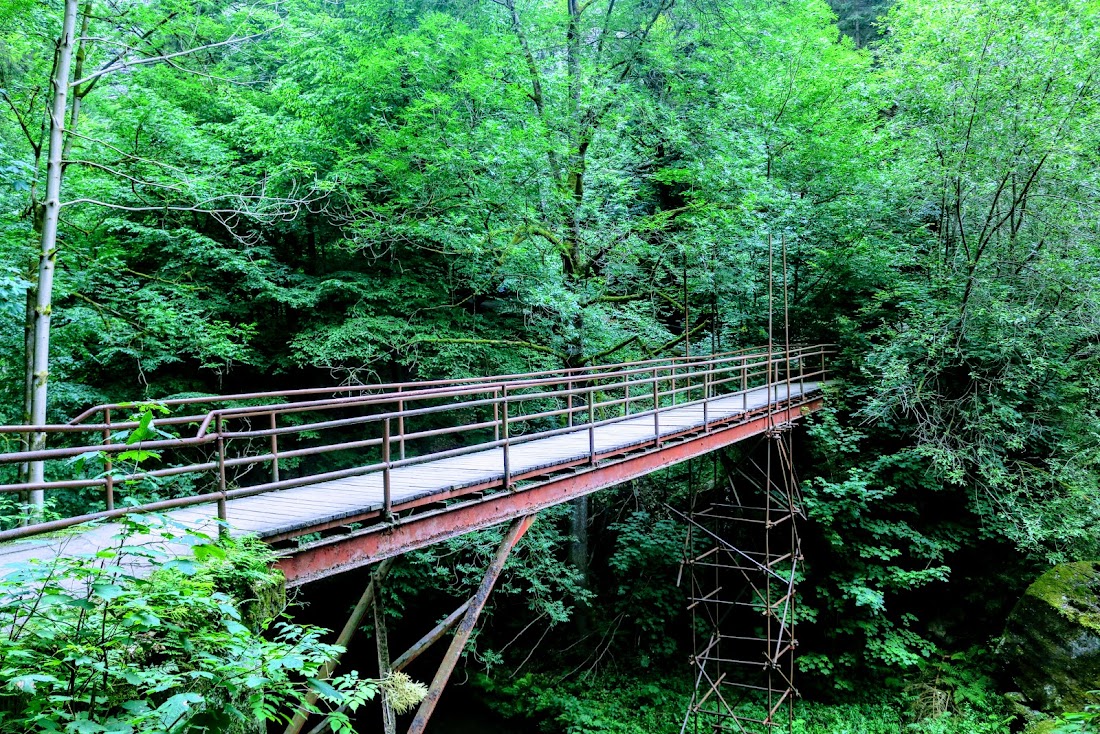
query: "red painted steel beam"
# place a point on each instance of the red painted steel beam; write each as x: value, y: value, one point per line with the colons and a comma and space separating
x: 343, y: 553
x: 466, y: 626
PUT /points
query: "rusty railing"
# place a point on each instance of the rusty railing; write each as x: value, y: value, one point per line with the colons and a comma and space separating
x: 303, y: 437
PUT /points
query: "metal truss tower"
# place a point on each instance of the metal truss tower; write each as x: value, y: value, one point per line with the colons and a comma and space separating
x: 744, y: 559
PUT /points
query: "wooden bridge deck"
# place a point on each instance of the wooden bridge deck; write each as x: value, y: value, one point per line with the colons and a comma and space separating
x: 290, y: 510
x: 328, y: 504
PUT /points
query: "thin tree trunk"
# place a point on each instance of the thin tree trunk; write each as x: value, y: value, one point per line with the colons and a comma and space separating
x: 48, y: 252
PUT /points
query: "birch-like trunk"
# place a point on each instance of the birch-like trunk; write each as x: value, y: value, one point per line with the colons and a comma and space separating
x: 47, y: 256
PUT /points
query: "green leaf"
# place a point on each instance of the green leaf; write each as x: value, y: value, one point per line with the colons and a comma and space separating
x: 325, y: 689
x: 107, y: 591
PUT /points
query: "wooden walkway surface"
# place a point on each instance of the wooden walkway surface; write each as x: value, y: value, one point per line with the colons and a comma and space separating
x: 296, y: 510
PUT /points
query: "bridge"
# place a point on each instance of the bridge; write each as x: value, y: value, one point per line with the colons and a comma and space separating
x: 339, y: 478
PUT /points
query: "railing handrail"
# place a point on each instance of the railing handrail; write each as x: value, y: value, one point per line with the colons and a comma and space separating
x: 203, y: 436
x: 423, y: 389
x: 680, y: 378
x: 458, y: 381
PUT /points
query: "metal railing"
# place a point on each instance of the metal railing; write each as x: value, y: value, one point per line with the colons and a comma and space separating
x: 307, y: 435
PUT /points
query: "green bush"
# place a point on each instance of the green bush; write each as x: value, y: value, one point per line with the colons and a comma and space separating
x: 141, y: 638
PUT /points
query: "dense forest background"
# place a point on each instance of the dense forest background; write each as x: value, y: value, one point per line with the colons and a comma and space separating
x: 308, y: 193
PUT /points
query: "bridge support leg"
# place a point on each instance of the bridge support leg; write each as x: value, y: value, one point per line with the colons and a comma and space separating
x: 382, y: 640
x: 469, y: 621
x: 365, y: 602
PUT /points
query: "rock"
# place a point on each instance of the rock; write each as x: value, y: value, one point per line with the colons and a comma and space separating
x: 1052, y: 638
x: 1049, y: 726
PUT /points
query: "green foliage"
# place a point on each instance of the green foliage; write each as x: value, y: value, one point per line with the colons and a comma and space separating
x: 1080, y: 722
x: 601, y: 705
x: 648, y: 549
x: 137, y: 639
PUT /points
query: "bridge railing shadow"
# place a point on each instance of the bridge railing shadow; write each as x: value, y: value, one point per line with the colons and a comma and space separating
x: 212, y: 449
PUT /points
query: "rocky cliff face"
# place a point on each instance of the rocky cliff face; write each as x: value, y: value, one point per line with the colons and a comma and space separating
x: 1052, y: 638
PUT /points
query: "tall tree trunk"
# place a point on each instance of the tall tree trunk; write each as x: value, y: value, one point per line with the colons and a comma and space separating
x: 47, y: 255
x: 571, y: 254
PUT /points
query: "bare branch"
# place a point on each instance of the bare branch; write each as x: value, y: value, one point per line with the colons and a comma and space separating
x: 120, y: 174
x: 36, y: 147
x: 131, y: 156
x: 165, y: 57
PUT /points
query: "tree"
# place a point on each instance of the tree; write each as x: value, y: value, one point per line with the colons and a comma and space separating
x: 90, y: 48
x: 993, y: 355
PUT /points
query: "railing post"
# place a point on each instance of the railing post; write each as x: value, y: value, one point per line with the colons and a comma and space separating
x: 274, y: 449
x: 706, y: 399
x: 108, y: 465
x: 507, y: 460
x: 387, y: 486
x: 569, y: 401
x: 672, y: 374
x: 496, y: 413
x: 626, y: 394
x: 400, y: 427
x: 656, y: 411
x: 223, y: 512
x: 744, y: 384
x: 801, y: 373
x: 591, y: 427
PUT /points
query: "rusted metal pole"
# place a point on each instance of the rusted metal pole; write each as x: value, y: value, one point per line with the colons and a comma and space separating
x: 274, y: 449
x: 466, y: 626
x: 687, y: 312
x: 656, y: 411
x: 382, y: 644
x: 786, y: 322
x: 706, y: 398
x: 771, y: 315
x: 591, y: 428
x: 401, y: 427
x: 504, y: 449
x: 108, y: 465
x: 496, y: 414
x: 223, y: 512
x: 626, y: 395
x: 418, y: 648
x: 366, y: 600
x: 387, y: 484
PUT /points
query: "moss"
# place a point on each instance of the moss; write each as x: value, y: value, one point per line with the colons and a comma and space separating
x: 1052, y: 638
x: 247, y: 574
x: 1047, y: 726
x: 1074, y: 590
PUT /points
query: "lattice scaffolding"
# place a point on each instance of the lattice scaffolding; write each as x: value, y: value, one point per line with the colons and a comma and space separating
x: 743, y: 561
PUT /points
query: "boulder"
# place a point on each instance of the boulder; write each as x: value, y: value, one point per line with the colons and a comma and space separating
x: 1051, y: 643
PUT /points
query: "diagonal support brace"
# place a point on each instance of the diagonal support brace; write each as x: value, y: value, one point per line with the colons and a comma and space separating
x: 469, y: 621
x: 366, y: 601
x: 431, y: 638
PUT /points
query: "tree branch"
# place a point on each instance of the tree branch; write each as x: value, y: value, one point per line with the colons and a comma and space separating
x: 166, y: 57
x: 600, y: 355
x: 670, y: 344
